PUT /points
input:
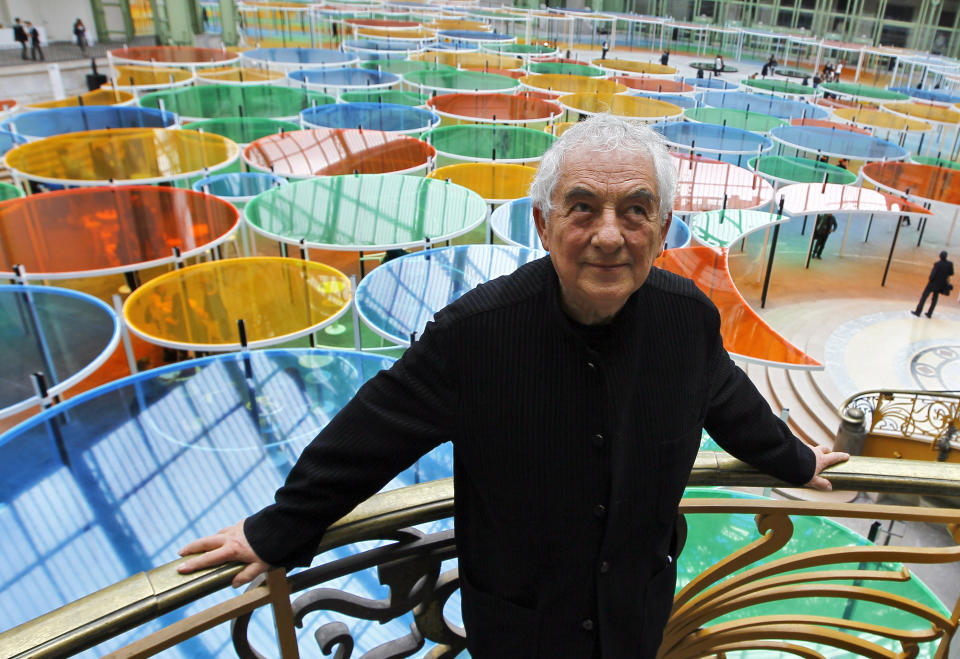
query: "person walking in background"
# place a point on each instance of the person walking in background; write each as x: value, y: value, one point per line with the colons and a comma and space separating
x: 718, y: 64
x: 826, y: 224
x: 938, y: 283
x: 20, y: 36
x: 80, y: 32
x: 665, y: 57
x: 34, y: 41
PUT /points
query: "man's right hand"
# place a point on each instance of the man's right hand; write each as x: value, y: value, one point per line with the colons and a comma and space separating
x: 229, y: 545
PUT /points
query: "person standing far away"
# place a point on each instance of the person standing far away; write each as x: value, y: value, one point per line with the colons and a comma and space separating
x: 575, y: 416
x: 938, y: 283
x: 20, y: 36
x: 34, y: 41
x: 80, y: 32
x: 718, y: 64
x: 826, y: 224
x: 665, y: 57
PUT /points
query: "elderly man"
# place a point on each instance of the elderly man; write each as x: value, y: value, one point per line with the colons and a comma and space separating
x: 574, y: 392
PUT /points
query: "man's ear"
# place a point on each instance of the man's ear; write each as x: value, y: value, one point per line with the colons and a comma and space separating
x: 664, y: 230
x: 541, y: 223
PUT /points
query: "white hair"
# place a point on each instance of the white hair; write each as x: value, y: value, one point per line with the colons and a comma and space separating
x: 603, y: 133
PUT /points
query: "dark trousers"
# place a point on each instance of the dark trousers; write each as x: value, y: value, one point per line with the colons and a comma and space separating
x: 923, y: 298
x: 34, y: 50
x: 819, y: 242
x: 23, y: 51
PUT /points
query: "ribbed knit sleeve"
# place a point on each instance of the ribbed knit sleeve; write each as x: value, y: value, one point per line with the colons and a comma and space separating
x: 395, y: 418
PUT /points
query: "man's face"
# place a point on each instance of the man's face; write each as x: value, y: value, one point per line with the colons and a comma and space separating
x: 604, y: 231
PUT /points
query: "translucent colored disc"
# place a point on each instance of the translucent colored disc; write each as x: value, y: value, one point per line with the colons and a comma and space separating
x: 198, y: 307
x: 852, y: 90
x: 401, y: 66
x: 745, y: 334
x: 57, y: 121
x: 98, y: 97
x: 386, y: 24
x: 366, y: 212
x: 490, y: 142
x: 457, y: 24
x: 150, y: 77
x: 219, y: 101
x: 413, y: 99
x: 824, y: 123
x: 752, y: 121
x: 34, y: 338
x: 881, y: 119
x: 123, y: 155
x: 242, y: 130
x: 835, y: 102
x: 932, y: 95
x: 8, y: 191
x: 565, y: 68
x: 238, y: 187
x: 92, y: 231
x: 709, y: 138
x: 399, y: 297
x: 560, y: 84
x: 936, y: 162
x: 632, y: 66
x: 674, y: 99
x: 926, y: 111
x: 9, y: 140
x: 722, y: 228
x: 441, y: 81
x: 475, y: 37
x: 811, y: 198
x: 239, y: 75
x: 374, y: 116
x: 620, y: 105
x: 330, y: 151
x: 712, y: 83
x: 656, y: 85
x: 413, y: 34
x: 495, y: 107
x: 495, y: 182
x: 174, y: 55
x: 522, y: 49
x: 940, y: 184
x: 704, y: 185
x: 765, y: 104
x: 331, y: 81
x: 784, y: 87
x: 475, y: 60
x: 292, y: 58
x: 790, y: 169
x: 838, y: 143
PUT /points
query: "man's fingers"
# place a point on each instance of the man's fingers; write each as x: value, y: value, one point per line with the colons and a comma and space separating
x: 249, y: 573
x: 835, y: 457
x: 208, y: 559
x: 203, y: 544
x: 820, y: 483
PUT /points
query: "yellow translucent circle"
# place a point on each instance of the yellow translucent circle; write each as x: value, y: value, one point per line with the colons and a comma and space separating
x: 147, y: 76
x: 633, y: 66
x: 569, y: 84
x: 880, y: 119
x: 472, y: 60
x: 97, y: 97
x: 198, y: 307
x: 492, y: 181
x: 381, y: 33
x: 618, y: 104
x: 927, y: 111
x: 240, y: 74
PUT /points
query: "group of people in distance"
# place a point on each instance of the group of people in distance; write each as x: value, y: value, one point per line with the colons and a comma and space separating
x: 27, y: 32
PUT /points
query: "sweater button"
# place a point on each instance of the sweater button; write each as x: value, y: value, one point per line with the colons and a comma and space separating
x: 598, y: 440
x: 592, y: 366
x: 587, y: 625
x: 604, y: 567
x: 599, y: 510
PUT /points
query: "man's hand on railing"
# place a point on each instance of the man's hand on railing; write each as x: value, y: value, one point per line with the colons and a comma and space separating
x: 825, y: 458
x: 229, y: 545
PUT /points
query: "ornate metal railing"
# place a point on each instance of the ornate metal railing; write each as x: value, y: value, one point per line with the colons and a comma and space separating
x: 411, y: 568
x: 928, y: 416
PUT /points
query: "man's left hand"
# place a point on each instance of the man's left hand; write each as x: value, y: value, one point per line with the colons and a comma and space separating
x: 825, y: 458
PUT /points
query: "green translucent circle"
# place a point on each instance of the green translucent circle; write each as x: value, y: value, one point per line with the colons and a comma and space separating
x: 395, y: 96
x: 566, y: 68
x: 779, y: 86
x: 801, y: 170
x: 752, y: 121
x: 490, y: 142
x: 519, y: 49
x: 242, y: 130
x: 8, y: 191
x: 863, y: 91
x: 402, y: 66
x: 936, y: 162
x: 460, y: 80
x: 219, y: 101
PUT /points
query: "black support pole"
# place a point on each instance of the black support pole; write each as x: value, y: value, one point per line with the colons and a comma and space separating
x: 893, y: 244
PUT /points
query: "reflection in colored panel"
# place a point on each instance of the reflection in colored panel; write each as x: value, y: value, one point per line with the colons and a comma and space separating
x: 790, y: 169
x: 366, y: 212
x: 722, y: 228
x: 94, y: 231
x: 156, y: 460
x: 331, y: 151
x: 512, y: 223
x: 919, y: 181
x: 174, y: 56
x: 444, y: 82
x: 704, y: 185
x: 634, y: 107
x: 396, y: 96
x: 495, y: 182
x: 62, y: 334
x: 745, y: 334
x: 219, y: 101
x: 242, y: 130
x: 98, y: 97
x: 199, y: 307
x: 837, y: 143
x: 559, y: 85
x: 812, y: 198
x: 121, y: 156
x: 495, y: 108
x: 44, y: 123
x: 399, y: 297
x: 512, y: 144
x: 393, y: 118
x: 765, y: 104
x: 849, y: 90
x: 752, y: 121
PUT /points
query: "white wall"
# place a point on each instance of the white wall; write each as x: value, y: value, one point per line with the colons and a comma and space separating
x: 57, y: 16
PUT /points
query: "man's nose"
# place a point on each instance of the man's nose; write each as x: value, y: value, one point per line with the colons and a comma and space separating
x: 608, y: 236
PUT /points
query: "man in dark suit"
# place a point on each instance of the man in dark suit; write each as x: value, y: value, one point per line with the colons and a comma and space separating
x: 575, y: 392
x: 938, y: 283
x: 20, y: 36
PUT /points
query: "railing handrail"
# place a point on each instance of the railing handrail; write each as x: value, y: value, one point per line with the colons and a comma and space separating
x: 147, y: 595
x: 907, y: 392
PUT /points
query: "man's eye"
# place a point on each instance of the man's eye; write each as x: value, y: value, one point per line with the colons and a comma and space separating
x: 581, y: 207
x: 641, y: 211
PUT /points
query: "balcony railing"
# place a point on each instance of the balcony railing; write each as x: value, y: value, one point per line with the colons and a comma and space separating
x: 411, y: 567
